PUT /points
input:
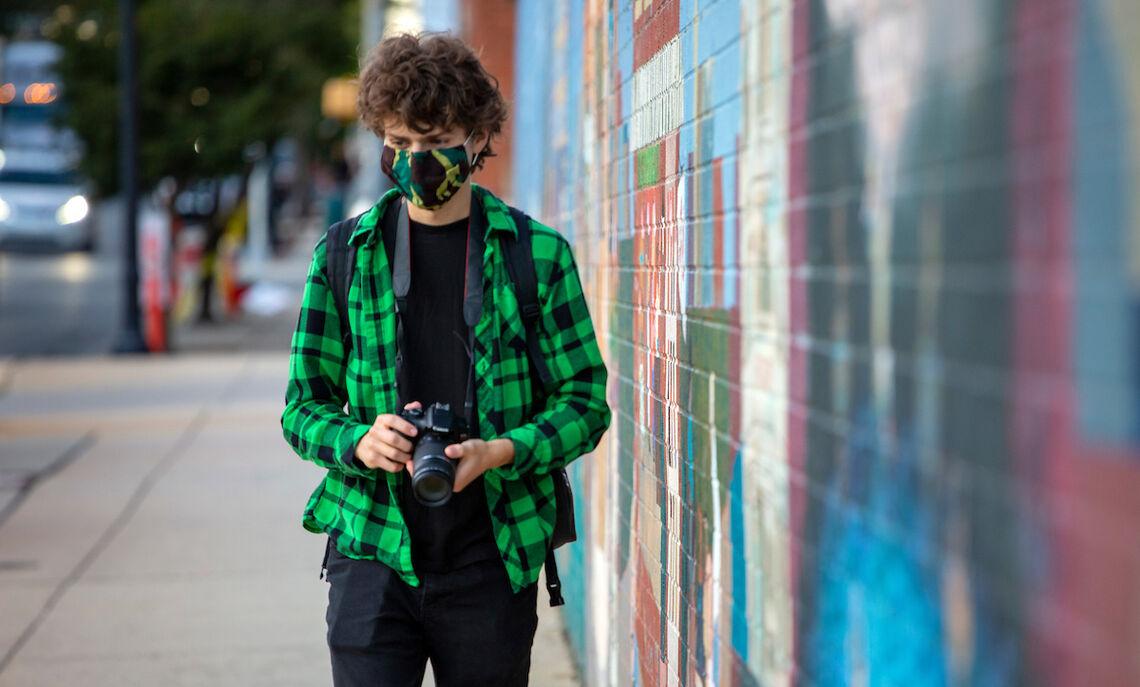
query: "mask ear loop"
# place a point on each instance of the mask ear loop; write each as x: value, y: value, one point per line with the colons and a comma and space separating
x: 474, y: 157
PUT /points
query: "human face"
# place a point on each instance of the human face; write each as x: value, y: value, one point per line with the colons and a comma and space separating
x: 429, y: 168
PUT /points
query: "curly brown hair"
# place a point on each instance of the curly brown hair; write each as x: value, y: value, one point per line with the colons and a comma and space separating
x: 427, y: 80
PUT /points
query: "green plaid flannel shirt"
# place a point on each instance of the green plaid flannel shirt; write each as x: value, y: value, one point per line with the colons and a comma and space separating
x: 358, y: 507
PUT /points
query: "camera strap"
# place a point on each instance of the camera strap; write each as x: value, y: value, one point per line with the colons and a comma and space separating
x: 472, y: 300
x: 401, y: 285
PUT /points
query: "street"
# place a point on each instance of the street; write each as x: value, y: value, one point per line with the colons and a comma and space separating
x: 54, y: 303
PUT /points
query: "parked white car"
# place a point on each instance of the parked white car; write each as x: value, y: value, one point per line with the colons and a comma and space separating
x: 43, y: 200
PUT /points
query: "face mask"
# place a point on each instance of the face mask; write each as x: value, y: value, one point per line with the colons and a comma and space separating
x: 427, y: 178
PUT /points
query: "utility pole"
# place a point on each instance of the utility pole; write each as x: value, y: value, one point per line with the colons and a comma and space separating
x: 130, y: 338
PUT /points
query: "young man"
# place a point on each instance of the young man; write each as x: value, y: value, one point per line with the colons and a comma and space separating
x: 455, y: 582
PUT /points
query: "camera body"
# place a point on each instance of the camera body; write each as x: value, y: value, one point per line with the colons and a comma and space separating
x: 433, y: 473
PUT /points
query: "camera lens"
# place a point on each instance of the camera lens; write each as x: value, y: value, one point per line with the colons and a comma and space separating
x: 432, y: 490
x: 433, y: 473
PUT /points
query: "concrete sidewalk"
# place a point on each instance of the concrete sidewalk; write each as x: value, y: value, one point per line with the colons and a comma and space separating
x: 165, y: 547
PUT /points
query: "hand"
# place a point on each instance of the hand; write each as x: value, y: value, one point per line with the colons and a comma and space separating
x: 478, y: 456
x: 383, y: 447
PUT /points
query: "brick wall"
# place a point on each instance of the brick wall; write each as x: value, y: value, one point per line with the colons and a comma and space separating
x: 867, y: 278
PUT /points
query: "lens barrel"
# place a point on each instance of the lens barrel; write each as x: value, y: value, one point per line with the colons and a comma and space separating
x: 433, y: 473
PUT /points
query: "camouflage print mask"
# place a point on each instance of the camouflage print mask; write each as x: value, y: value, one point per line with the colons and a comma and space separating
x: 427, y: 178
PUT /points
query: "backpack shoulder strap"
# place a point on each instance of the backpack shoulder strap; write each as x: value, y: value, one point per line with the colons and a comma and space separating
x: 553, y: 583
x: 520, y: 265
x: 340, y: 263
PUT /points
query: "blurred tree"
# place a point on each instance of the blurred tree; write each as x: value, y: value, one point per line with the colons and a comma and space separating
x: 215, y: 77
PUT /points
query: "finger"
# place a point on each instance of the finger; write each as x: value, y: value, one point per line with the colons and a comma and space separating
x: 467, y: 449
x: 454, y: 450
x: 461, y: 480
x: 389, y: 465
x: 413, y: 404
x: 374, y: 448
x: 465, y: 473
x: 379, y: 461
x: 389, y: 421
x: 411, y: 467
x: 402, y: 426
x: 395, y: 455
x: 387, y: 442
x: 395, y: 440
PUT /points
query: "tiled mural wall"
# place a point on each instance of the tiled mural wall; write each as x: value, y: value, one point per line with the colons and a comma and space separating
x: 867, y: 278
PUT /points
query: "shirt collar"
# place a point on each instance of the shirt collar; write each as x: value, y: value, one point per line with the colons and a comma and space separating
x: 487, y: 213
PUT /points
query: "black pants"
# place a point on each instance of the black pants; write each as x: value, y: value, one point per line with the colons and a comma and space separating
x: 382, y: 631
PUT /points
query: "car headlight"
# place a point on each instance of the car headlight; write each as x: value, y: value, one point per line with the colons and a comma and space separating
x: 5, y: 211
x: 72, y: 211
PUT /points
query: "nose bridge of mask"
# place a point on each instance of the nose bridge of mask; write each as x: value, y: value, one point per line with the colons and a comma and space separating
x: 421, y: 155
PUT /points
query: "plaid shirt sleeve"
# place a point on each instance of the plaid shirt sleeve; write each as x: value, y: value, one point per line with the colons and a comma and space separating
x: 576, y: 413
x: 314, y: 421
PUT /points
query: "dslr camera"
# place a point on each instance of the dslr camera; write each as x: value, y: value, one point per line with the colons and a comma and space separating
x: 433, y: 473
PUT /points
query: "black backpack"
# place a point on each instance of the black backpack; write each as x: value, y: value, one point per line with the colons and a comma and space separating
x: 341, y: 266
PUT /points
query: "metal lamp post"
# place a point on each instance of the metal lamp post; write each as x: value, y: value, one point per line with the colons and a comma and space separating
x: 130, y: 338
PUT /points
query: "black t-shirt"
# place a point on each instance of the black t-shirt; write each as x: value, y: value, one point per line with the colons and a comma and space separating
x: 459, y: 532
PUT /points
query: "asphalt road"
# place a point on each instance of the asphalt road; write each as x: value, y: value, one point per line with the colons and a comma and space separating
x: 54, y: 303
